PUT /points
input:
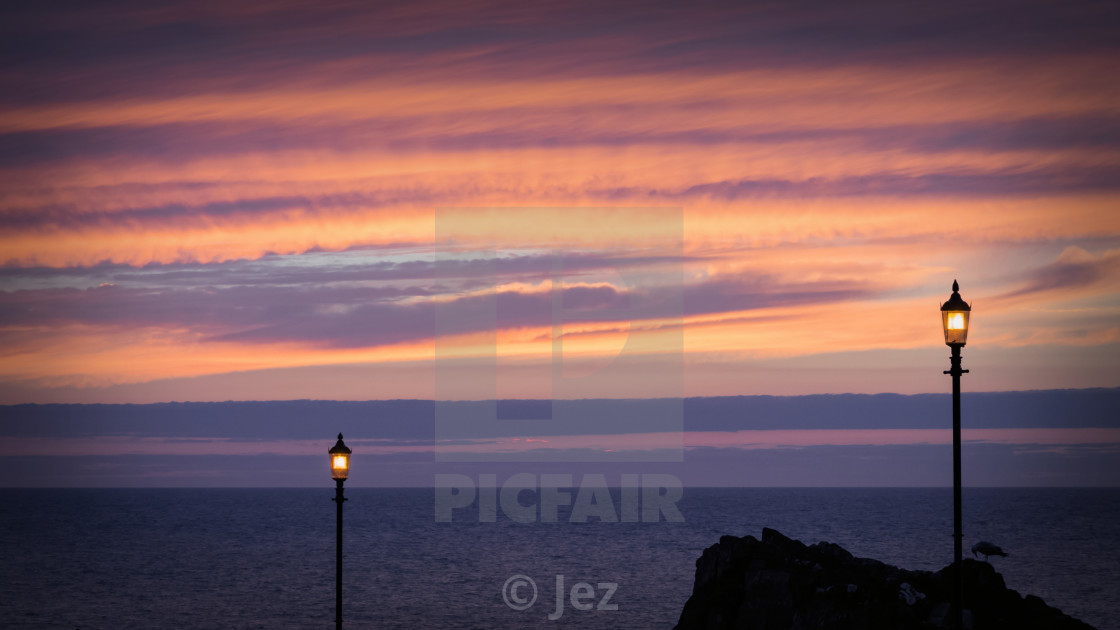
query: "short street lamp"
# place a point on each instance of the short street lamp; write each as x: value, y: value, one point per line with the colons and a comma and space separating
x: 954, y: 322
x: 340, y: 469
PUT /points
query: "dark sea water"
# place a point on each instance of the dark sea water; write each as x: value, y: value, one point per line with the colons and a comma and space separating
x: 264, y: 558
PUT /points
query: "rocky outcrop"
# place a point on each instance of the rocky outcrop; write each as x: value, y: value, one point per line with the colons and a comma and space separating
x: 781, y: 584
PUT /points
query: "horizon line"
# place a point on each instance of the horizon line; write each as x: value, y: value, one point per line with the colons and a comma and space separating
x: 478, y: 400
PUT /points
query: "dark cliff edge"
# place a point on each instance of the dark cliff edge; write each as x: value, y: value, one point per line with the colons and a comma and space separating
x: 778, y: 583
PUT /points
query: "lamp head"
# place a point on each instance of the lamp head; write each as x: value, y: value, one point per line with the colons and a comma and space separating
x: 340, y: 459
x: 954, y: 318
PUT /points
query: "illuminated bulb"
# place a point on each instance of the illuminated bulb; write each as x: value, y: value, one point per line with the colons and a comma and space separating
x: 956, y: 321
x: 339, y: 461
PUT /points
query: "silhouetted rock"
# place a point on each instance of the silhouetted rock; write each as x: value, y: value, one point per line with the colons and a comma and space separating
x: 779, y: 584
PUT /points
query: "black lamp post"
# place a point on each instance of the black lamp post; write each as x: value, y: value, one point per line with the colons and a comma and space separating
x: 340, y: 469
x: 954, y: 321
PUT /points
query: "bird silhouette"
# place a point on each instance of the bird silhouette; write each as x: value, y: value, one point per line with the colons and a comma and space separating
x: 986, y: 549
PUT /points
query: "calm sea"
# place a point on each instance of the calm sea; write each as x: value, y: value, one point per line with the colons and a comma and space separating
x: 264, y: 558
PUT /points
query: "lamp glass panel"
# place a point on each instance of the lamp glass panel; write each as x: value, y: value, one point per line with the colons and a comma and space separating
x: 340, y: 466
x: 955, y: 324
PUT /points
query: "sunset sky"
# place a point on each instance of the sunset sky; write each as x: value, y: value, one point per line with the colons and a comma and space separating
x: 212, y: 201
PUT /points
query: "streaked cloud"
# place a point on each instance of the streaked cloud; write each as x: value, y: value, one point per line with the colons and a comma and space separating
x: 198, y: 190
x: 1075, y: 270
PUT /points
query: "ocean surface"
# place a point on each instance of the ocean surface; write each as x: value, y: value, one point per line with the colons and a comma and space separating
x: 264, y: 558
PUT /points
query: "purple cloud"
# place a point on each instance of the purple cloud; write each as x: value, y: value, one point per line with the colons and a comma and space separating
x: 1074, y: 269
x: 339, y: 308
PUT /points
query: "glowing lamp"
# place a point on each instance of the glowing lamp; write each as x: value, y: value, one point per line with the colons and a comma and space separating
x: 954, y: 321
x: 340, y: 459
x: 954, y: 318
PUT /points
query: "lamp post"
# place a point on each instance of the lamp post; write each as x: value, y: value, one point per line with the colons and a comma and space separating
x: 340, y: 469
x: 954, y: 322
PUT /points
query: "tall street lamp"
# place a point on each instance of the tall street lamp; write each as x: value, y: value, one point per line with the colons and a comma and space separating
x: 954, y: 322
x: 340, y: 469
